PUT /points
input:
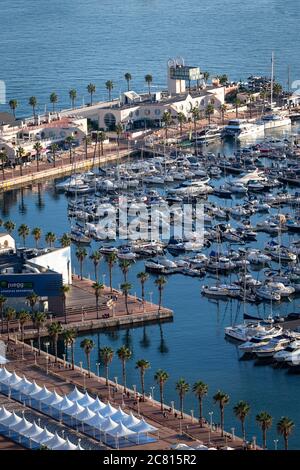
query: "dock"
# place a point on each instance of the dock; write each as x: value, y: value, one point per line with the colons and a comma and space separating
x: 81, y: 312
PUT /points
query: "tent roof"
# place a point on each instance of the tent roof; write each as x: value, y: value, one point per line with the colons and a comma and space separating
x: 42, y: 394
x: 120, y: 431
x: 4, y: 413
x: 53, y: 399
x: 23, y: 384
x: 85, y: 415
x: 32, y: 389
x: 14, y: 379
x: 143, y: 426
x: 120, y: 415
x: 67, y: 446
x: 96, y: 421
x: 64, y: 404
x: 34, y: 430
x: 22, y: 426
x: 86, y: 400
x: 12, y: 420
x: 3, y: 360
x: 108, y: 425
x: 55, y: 441
x: 108, y: 410
x: 181, y: 446
x: 97, y: 405
x: 75, y: 395
x: 79, y: 447
x: 44, y: 436
x: 74, y: 410
x: 131, y: 420
x: 4, y: 374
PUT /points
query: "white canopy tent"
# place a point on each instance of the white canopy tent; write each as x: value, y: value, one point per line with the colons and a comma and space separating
x: 55, y: 441
x: 3, y: 360
x: 12, y: 420
x: 67, y: 446
x: 74, y: 410
x: 4, y: 413
x: 86, y: 400
x: 20, y: 386
x: 96, y: 421
x: 42, y: 394
x: 4, y: 374
x: 43, y: 437
x: 13, y: 380
x: 143, y: 427
x: 75, y: 395
x: 53, y: 399
x: 131, y: 420
x: 108, y: 410
x: 21, y: 427
x: 32, y: 389
x: 98, y: 405
x: 64, y: 404
x: 33, y: 431
x: 120, y: 431
x: 108, y: 425
x: 85, y: 415
x: 120, y: 415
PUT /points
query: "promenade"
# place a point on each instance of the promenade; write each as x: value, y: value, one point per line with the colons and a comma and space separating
x: 171, y: 428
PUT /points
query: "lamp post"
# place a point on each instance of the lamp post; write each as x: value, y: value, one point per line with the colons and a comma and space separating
x: 192, y: 415
x: 47, y: 344
x: 47, y: 364
x: 134, y: 390
x: 98, y: 368
x: 254, y: 442
x: 152, y: 391
x: 275, y: 443
x: 31, y: 343
x: 211, y: 415
x: 173, y: 408
x: 103, y: 278
x: 80, y: 363
x: 233, y: 435
x: 64, y: 358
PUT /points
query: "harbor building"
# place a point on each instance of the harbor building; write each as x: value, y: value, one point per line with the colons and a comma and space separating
x: 41, y: 271
x: 47, y: 130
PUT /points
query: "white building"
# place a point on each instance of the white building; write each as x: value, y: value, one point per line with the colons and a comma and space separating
x: 7, y: 243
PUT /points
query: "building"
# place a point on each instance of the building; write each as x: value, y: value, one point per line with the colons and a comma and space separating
x: 7, y: 243
x: 49, y: 130
x: 42, y: 272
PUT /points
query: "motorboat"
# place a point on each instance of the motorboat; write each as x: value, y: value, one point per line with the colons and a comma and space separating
x: 288, y: 353
x: 239, y: 128
x: 245, y: 331
x: 260, y: 340
x: 273, y: 346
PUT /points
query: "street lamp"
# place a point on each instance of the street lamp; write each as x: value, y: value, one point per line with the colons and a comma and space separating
x: 80, y: 363
x: 173, y: 407
x: 275, y: 443
x: 150, y: 295
x: 134, y: 390
x: 103, y: 278
x: 254, y: 442
x: 152, y: 392
x: 192, y: 414
x: 47, y: 364
x: 98, y: 368
x: 47, y: 344
x: 211, y: 415
x: 233, y: 435
x: 31, y: 342
x: 64, y: 358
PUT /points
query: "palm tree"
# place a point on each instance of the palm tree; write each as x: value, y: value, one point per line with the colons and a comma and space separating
x: 143, y: 365
x: 241, y: 411
x: 69, y: 337
x: 200, y: 389
x: 128, y: 79
x: 206, y: 76
x: 81, y: 254
x: 69, y: 142
x: 54, y: 149
x: 101, y: 139
x: 251, y: 100
x: 88, y: 345
x: 223, y: 399
x: 38, y: 148
x: 87, y: 141
x: 237, y: 103
x: 143, y: 278
x: 33, y: 103
x: 98, y: 288
x: 36, y: 233
x: 73, y: 96
x: 111, y: 259
x: 65, y: 240
x: 53, y: 100
x: 160, y: 282
x: 3, y: 159
x: 161, y: 377
x: 23, y: 232
x: 9, y: 226
x: 209, y: 111
x: 106, y: 355
x: 223, y: 109
x: 96, y: 258
x: 167, y: 120
x: 124, y: 354
x: 20, y: 152
x: 91, y: 88
x: 39, y: 319
x: 2, y: 303
x: 181, y: 118
x: 285, y: 427
x: 64, y: 290
x: 109, y: 85
x: 182, y: 388
x: 223, y: 79
x: 13, y: 104
x: 32, y: 300
x: 50, y: 238
x: 265, y: 421
x: 126, y: 288
x: 119, y: 131
x: 10, y: 314
x: 124, y: 265
x: 54, y: 331
x: 149, y: 80
x: 23, y: 316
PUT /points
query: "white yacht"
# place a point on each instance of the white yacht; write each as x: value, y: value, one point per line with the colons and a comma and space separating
x: 209, y: 134
x: 288, y: 353
x: 259, y: 340
x: 239, y: 128
x: 273, y: 346
x: 246, y: 331
x: 272, y: 121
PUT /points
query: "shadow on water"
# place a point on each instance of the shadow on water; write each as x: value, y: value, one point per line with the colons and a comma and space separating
x: 40, y: 203
x: 145, y: 341
x: 163, y: 348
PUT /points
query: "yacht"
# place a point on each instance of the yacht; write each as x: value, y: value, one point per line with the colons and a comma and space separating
x: 209, y: 134
x: 239, y: 128
x: 273, y: 346
x: 272, y: 121
x: 246, y: 331
x: 288, y: 353
x: 259, y: 340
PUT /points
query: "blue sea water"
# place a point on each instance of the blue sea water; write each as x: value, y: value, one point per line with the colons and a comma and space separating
x: 55, y: 46
x: 47, y: 46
